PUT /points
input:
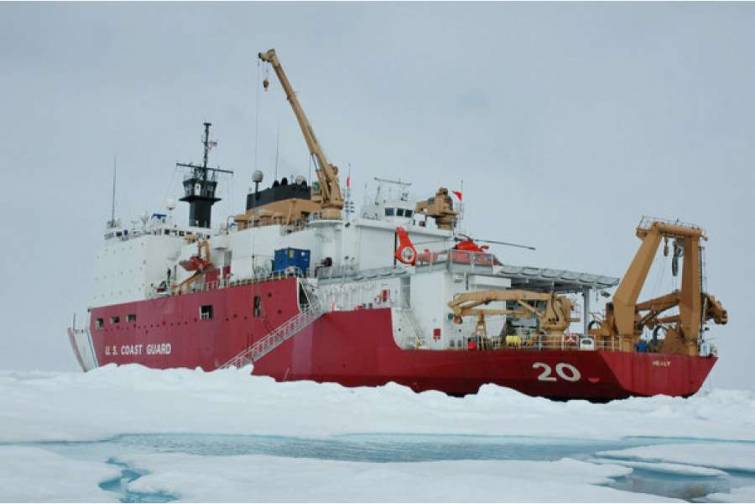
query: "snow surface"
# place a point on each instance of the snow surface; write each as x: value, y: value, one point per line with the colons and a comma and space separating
x: 133, y: 399
x: 741, y: 494
x: 265, y: 478
x: 665, y: 467
x: 35, y: 474
x: 732, y: 456
x: 711, y: 432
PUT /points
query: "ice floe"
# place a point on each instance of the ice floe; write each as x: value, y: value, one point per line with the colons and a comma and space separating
x: 35, y: 474
x: 731, y: 456
x: 113, y: 400
x: 741, y: 494
x: 265, y: 478
x: 665, y: 467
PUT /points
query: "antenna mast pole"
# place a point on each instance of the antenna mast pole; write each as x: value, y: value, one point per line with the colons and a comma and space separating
x: 206, y: 144
x: 112, y: 205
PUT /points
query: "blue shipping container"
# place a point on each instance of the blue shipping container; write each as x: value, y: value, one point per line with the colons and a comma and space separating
x: 291, y: 257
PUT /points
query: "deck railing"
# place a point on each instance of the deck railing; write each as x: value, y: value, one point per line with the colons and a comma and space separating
x: 612, y: 345
x: 222, y: 283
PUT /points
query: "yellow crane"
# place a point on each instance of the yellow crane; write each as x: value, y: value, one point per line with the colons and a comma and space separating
x: 553, y: 312
x: 626, y: 318
x: 441, y: 208
x: 329, y: 193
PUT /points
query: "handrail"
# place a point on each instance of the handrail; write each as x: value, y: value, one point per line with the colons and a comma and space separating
x: 407, y: 317
x: 223, y: 283
x: 280, y: 334
x: 646, y: 222
x: 499, y: 344
x: 457, y: 258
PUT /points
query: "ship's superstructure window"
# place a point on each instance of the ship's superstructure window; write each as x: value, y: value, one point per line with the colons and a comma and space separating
x: 205, y: 312
x: 398, y: 212
x: 99, y: 323
x: 115, y: 319
x: 131, y: 317
x: 257, y: 310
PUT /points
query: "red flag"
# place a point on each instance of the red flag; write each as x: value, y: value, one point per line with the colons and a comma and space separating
x: 348, y: 181
x: 457, y: 194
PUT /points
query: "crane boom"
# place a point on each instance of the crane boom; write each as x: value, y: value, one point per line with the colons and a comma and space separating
x: 331, y: 199
x: 626, y: 318
x: 554, y: 314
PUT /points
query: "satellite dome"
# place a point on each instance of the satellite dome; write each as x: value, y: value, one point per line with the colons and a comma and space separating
x: 300, y: 180
x: 170, y: 204
x: 257, y: 176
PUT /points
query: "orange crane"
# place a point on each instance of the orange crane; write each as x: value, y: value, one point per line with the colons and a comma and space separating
x: 329, y: 192
x: 198, y: 264
x: 626, y: 318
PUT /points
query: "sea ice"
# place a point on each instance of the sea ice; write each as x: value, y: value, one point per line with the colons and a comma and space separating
x: 133, y: 399
x: 266, y: 478
x: 732, y: 456
x: 741, y: 494
x: 35, y: 474
x: 38, y: 407
x: 664, y: 467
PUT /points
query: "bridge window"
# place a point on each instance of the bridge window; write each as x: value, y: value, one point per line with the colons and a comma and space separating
x: 390, y: 212
x: 400, y: 212
x: 115, y: 319
x: 131, y: 317
x: 99, y: 323
x: 205, y: 312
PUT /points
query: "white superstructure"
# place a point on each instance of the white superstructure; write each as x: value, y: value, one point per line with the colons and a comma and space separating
x: 352, y: 262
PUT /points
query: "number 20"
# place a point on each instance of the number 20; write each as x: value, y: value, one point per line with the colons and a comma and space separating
x: 564, y: 371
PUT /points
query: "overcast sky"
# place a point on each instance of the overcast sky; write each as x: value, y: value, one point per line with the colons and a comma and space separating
x: 567, y: 123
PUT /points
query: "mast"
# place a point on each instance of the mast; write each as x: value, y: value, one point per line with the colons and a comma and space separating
x: 200, y: 185
x: 112, y: 203
x: 206, y: 144
x: 327, y: 174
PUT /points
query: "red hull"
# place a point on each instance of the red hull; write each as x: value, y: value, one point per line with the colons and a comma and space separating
x: 357, y: 348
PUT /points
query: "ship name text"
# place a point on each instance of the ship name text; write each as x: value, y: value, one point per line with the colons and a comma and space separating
x: 140, y: 349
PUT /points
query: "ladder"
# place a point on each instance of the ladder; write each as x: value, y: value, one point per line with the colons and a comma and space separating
x: 407, y: 319
x: 280, y: 334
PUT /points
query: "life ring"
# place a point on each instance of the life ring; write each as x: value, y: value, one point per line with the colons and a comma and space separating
x: 405, y: 253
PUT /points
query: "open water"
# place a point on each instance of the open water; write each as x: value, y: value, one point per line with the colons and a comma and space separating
x: 396, y: 448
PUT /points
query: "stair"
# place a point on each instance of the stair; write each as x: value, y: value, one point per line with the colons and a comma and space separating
x: 407, y: 320
x: 280, y: 334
